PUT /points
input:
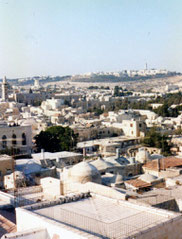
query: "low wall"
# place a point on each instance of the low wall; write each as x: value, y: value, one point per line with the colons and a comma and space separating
x: 171, y: 229
x: 27, y: 234
x: 27, y: 220
x: 98, y: 189
x: 7, y: 198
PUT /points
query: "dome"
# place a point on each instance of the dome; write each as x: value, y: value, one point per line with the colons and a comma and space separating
x: 118, y: 178
x: 148, y: 178
x: 84, y: 172
x: 101, y: 164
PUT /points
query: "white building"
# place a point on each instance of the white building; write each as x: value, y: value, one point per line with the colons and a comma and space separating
x: 80, y: 216
x: 36, y: 85
x: 52, y: 104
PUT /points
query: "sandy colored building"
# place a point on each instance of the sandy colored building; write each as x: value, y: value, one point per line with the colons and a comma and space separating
x: 164, y: 167
x: 17, y: 137
x: 6, y: 166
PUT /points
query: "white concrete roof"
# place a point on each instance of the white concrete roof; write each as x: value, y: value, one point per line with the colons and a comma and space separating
x: 28, y: 166
x: 48, y: 155
x: 148, y: 178
x: 116, y: 219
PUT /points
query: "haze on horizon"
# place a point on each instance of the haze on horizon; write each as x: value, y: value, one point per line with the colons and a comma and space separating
x: 58, y: 37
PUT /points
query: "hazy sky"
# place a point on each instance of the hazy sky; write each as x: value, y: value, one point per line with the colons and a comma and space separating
x: 59, y: 37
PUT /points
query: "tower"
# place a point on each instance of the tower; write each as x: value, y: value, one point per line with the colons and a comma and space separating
x: 4, y: 89
x: 36, y: 84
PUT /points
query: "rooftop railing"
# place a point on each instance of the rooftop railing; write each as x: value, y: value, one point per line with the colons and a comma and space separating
x: 99, y: 227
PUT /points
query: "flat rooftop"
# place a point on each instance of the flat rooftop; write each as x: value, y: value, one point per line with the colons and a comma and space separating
x: 101, y: 216
x: 105, y: 141
x: 160, y: 195
x: 48, y: 155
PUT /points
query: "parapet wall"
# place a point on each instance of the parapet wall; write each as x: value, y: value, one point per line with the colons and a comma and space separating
x: 171, y: 229
x: 98, y: 189
x: 59, y: 201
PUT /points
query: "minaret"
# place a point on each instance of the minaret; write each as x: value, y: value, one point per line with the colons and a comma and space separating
x: 36, y: 84
x: 4, y: 90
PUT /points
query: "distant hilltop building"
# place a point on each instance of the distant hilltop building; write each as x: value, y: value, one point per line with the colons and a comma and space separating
x: 36, y: 84
x: 4, y: 90
x: 171, y: 87
x: 125, y: 73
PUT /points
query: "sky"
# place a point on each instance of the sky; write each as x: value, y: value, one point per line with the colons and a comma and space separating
x: 65, y: 37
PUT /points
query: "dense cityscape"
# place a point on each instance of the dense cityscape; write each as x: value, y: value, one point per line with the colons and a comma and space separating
x: 116, y: 147
x: 90, y: 119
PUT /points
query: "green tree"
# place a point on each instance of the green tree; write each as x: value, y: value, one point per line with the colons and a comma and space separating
x: 178, y: 131
x: 166, y: 111
x: 163, y: 110
x: 158, y: 140
x: 55, y: 139
x: 116, y: 91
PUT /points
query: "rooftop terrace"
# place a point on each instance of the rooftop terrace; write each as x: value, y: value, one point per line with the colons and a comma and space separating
x: 105, y: 141
x: 105, y: 218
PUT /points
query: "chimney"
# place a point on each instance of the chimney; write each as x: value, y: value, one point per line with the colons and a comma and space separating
x: 100, y: 156
x: 84, y: 153
x: 118, y: 152
x: 158, y: 164
x: 42, y: 154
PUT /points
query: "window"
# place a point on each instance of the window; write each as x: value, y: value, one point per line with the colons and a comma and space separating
x: 14, y: 139
x: 24, y: 140
x: 4, y: 141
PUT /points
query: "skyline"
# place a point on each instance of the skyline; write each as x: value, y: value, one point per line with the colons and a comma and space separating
x: 74, y: 37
